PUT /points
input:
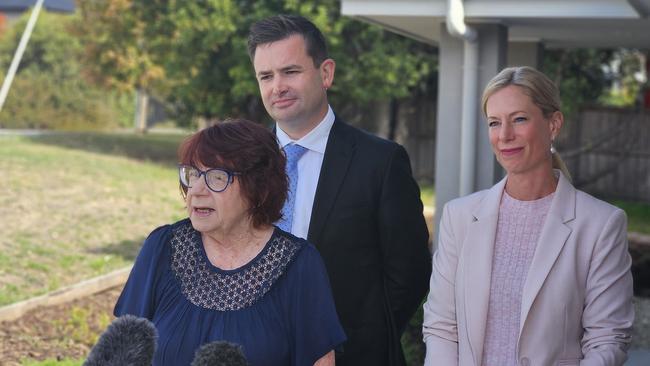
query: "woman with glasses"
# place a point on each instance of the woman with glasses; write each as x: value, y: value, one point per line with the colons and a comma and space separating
x: 226, y: 272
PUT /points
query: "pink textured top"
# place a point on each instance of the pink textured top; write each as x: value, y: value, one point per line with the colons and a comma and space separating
x: 518, y: 229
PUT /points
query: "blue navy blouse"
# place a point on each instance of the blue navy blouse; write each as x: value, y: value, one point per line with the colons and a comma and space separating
x: 278, y: 307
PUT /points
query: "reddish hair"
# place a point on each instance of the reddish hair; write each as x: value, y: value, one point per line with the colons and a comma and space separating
x: 245, y: 147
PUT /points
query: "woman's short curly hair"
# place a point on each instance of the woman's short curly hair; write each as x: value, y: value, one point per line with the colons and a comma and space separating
x: 246, y: 147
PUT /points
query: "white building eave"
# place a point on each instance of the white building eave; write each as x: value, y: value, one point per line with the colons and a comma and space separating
x: 576, y: 9
x: 568, y: 23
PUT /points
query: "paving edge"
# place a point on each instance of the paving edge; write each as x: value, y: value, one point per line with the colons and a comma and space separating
x: 66, y: 294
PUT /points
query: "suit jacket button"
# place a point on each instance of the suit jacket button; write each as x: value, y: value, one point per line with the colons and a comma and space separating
x: 524, y: 361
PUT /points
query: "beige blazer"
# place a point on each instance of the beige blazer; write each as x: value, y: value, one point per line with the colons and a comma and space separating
x: 577, y: 299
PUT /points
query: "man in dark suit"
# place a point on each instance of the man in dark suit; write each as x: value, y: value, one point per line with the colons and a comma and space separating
x: 354, y: 194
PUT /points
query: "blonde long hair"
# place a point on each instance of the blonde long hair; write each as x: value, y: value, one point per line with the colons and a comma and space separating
x: 541, y: 90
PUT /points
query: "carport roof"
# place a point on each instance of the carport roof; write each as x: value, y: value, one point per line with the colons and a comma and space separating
x: 565, y: 23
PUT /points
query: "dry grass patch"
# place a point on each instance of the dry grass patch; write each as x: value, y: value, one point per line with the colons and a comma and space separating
x: 69, y: 213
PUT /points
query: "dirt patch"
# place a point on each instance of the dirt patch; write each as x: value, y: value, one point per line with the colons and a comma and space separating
x: 57, y: 332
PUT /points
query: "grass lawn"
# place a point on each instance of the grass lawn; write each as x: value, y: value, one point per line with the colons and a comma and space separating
x: 638, y: 215
x: 74, y: 206
x: 428, y: 195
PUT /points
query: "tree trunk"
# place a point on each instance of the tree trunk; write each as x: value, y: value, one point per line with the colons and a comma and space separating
x: 141, y: 110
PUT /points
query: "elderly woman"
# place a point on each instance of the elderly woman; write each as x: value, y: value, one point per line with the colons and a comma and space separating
x: 531, y: 271
x: 226, y: 273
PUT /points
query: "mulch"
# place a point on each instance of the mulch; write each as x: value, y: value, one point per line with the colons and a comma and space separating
x: 57, y: 332
x: 52, y: 332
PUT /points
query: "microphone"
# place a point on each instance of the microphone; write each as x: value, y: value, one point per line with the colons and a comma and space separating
x: 128, y: 341
x: 219, y: 353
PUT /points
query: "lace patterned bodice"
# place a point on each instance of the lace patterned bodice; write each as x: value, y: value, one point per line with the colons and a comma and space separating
x: 209, y: 287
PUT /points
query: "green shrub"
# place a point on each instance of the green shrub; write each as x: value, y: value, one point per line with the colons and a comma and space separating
x: 412, y: 343
x: 638, y: 215
x: 49, y: 90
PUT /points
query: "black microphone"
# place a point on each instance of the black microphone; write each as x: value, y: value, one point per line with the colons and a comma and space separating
x: 128, y: 341
x: 219, y: 353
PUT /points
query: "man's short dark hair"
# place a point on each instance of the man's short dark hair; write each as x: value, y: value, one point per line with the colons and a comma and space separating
x: 279, y: 27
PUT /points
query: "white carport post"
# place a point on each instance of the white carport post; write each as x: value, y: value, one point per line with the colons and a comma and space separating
x: 456, y: 26
x: 493, y: 43
x: 6, y: 84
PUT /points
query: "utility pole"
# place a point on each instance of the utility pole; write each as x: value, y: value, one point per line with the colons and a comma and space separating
x: 6, y: 84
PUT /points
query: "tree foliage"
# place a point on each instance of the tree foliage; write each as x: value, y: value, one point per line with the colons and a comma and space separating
x: 625, y: 71
x: 48, y: 90
x: 579, y: 75
x: 589, y: 76
x: 193, y: 53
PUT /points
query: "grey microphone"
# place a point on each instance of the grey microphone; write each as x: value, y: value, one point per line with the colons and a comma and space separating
x: 128, y: 341
x: 219, y: 353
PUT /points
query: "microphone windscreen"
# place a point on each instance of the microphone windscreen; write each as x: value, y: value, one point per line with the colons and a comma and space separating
x: 219, y: 353
x: 128, y: 341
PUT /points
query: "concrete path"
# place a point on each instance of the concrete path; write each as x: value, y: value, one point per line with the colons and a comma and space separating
x: 638, y: 357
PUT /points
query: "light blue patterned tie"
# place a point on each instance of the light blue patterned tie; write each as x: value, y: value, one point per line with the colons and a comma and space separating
x: 294, y: 153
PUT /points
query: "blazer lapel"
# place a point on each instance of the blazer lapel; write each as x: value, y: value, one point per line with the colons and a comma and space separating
x: 338, y: 154
x: 478, y: 249
x: 551, y: 241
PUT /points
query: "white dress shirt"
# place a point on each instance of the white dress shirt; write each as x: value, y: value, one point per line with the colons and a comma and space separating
x: 308, y: 170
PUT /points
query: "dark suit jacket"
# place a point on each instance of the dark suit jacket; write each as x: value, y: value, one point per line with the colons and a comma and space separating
x: 368, y: 225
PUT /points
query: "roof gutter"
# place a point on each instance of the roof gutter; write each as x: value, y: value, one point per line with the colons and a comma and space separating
x: 456, y: 27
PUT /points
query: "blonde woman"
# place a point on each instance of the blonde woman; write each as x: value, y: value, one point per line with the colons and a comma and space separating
x: 531, y: 271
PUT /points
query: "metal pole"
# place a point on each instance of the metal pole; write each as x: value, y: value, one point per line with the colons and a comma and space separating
x: 469, y: 123
x: 456, y: 27
x: 6, y: 84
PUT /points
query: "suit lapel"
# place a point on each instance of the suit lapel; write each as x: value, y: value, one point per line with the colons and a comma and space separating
x: 478, y: 249
x: 338, y: 154
x: 551, y: 241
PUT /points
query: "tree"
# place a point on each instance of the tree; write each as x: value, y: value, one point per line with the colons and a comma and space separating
x: 579, y: 75
x: 49, y: 91
x: 117, y: 48
x: 590, y: 76
x: 194, y: 53
x: 625, y: 71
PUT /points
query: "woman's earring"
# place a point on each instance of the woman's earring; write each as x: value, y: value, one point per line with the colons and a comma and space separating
x: 553, y: 151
